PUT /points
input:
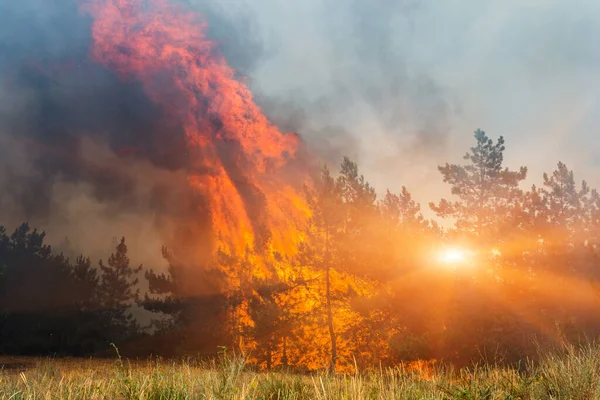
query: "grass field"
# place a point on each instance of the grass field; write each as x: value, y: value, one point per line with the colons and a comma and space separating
x: 572, y: 373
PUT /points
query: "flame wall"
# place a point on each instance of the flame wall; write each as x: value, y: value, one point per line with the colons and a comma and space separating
x: 235, y: 156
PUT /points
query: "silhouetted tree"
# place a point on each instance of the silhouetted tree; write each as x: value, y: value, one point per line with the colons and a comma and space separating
x: 89, y: 319
x: 566, y: 205
x: 489, y: 199
x: 485, y: 188
x: 192, y: 304
x: 47, y: 305
x: 271, y: 318
x: 119, y: 293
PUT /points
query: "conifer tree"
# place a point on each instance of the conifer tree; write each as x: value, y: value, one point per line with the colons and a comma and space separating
x: 343, y: 213
x: 323, y: 236
x: 193, y: 300
x: 566, y: 203
x: 486, y: 190
x: 118, y: 287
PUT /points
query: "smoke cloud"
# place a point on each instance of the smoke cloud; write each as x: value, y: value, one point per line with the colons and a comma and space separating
x: 401, y: 85
x: 396, y: 85
x: 84, y: 155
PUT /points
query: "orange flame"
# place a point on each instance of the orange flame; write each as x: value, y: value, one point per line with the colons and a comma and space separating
x: 236, y: 156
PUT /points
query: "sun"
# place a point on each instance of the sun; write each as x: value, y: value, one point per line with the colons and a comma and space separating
x: 453, y: 256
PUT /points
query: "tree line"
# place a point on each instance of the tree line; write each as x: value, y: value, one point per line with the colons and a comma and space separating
x: 363, y: 289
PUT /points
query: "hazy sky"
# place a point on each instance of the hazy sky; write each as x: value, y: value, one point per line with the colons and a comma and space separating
x: 411, y: 80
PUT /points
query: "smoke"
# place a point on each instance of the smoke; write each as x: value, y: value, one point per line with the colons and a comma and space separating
x: 344, y: 76
x: 82, y: 154
x: 403, y: 84
x: 398, y: 86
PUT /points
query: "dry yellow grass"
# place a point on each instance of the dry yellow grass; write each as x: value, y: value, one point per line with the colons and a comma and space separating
x: 571, y: 373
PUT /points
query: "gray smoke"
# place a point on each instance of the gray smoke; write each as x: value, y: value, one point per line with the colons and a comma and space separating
x: 83, y: 155
x: 405, y: 83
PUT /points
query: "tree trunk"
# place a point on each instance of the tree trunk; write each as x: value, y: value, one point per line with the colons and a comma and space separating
x: 284, y: 358
x: 330, y: 322
x: 328, y: 298
x: 269, y: 357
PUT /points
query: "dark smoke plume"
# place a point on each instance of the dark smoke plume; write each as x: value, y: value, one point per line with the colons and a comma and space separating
x: 82, y: 153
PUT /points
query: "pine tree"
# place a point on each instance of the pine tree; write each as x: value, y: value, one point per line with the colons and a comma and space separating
x: 89, y: 321
x: 489, y: 198
x: 359, y: 217
x: 118, y: 283
x: 399, y: 209
x: 487, y: 191
x: 343, y: 216
x: 566, y: 203
x: 47, y: 304
x: 193, y: 300
x: 324, y: 228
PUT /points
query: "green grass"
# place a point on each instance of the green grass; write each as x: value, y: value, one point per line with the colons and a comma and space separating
x: 571, y: 373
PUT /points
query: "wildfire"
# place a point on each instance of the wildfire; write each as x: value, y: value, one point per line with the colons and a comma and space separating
x: 236, y: 157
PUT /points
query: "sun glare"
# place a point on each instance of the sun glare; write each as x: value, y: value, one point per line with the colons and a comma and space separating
x: 453, y: 256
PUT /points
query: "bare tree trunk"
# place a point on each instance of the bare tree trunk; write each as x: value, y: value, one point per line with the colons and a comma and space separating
x: 328, y: 298
x: 284, y: 358
x: 330, y: 323
x: 269, y: 357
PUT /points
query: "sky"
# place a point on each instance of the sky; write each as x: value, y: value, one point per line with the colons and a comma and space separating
x: 400, y: 86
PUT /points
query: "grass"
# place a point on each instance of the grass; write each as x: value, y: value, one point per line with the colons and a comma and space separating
x: 569, y: 373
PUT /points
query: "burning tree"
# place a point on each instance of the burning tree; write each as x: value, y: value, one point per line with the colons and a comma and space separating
x: 237, y: 161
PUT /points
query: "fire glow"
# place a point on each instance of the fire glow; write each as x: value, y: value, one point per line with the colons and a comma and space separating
x: 236, y: 157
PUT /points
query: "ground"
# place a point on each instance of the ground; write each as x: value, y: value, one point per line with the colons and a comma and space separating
x: 571, y: 373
